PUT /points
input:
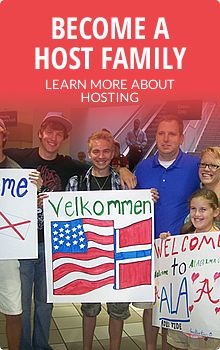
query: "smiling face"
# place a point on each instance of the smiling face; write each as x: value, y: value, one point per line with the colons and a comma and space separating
x: 51, y: 140
x: 169, y: 139
x: 209, y: 176
x: 202, y: 214
x: 101, y: 152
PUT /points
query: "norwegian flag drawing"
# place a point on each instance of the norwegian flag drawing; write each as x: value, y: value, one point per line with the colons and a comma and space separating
x: 90, y: 253
x: 133, y: 255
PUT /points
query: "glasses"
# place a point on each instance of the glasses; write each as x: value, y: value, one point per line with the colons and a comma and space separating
x: 212, y: 167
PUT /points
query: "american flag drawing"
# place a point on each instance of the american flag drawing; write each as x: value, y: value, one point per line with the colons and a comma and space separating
x: 88, y: 254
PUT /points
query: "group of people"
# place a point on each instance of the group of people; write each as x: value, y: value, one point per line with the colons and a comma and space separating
x: 175, y: 175
x: 55, y: 171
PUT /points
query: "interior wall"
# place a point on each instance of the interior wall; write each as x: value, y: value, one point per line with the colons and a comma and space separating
x: 21, y: 135
x: 86, y: 121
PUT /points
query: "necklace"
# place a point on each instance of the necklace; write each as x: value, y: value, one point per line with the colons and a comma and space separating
x: 99, y: 185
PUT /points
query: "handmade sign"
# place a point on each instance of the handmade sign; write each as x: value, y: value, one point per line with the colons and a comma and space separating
x: 187, y: 278
x: 99, y: 246
x: 18, y: 215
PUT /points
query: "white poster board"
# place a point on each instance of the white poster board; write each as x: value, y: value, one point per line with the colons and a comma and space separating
x: 18, y: 215
x: 187, y: 282
x: 99, y: 246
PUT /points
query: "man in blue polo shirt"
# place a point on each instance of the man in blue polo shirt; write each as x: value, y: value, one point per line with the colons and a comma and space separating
x: 175, y: 175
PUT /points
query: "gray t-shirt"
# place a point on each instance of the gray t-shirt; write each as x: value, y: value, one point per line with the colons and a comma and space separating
x: 9, y: 163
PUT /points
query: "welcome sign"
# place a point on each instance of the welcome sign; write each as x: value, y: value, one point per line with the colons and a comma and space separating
x: 187, y: 278
x: 99, y: 246
x: 18, y: 215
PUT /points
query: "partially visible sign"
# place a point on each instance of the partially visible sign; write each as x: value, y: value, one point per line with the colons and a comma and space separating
x: 9, y: 118
x: 184, y: 109
x: 18, y: 215
x: 187, y: 279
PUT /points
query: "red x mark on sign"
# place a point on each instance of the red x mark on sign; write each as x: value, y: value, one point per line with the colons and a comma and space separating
x: 13, y: 226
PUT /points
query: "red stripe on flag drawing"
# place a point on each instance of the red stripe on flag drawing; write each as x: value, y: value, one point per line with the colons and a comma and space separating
x: 141, y: 233
x: 93, y: 253
x: 60, y: 271
x: 99, y: 239
x: 79, y: 287
x: 135, y: 274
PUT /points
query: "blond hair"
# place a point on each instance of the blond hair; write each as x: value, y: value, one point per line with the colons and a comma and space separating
x: 100, y: 135
x: 213, y: 152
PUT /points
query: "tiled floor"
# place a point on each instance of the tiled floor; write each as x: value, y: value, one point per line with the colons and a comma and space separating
x: 66, y: 330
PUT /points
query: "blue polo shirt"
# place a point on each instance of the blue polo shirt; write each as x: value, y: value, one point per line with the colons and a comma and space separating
x: 175, y: 186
